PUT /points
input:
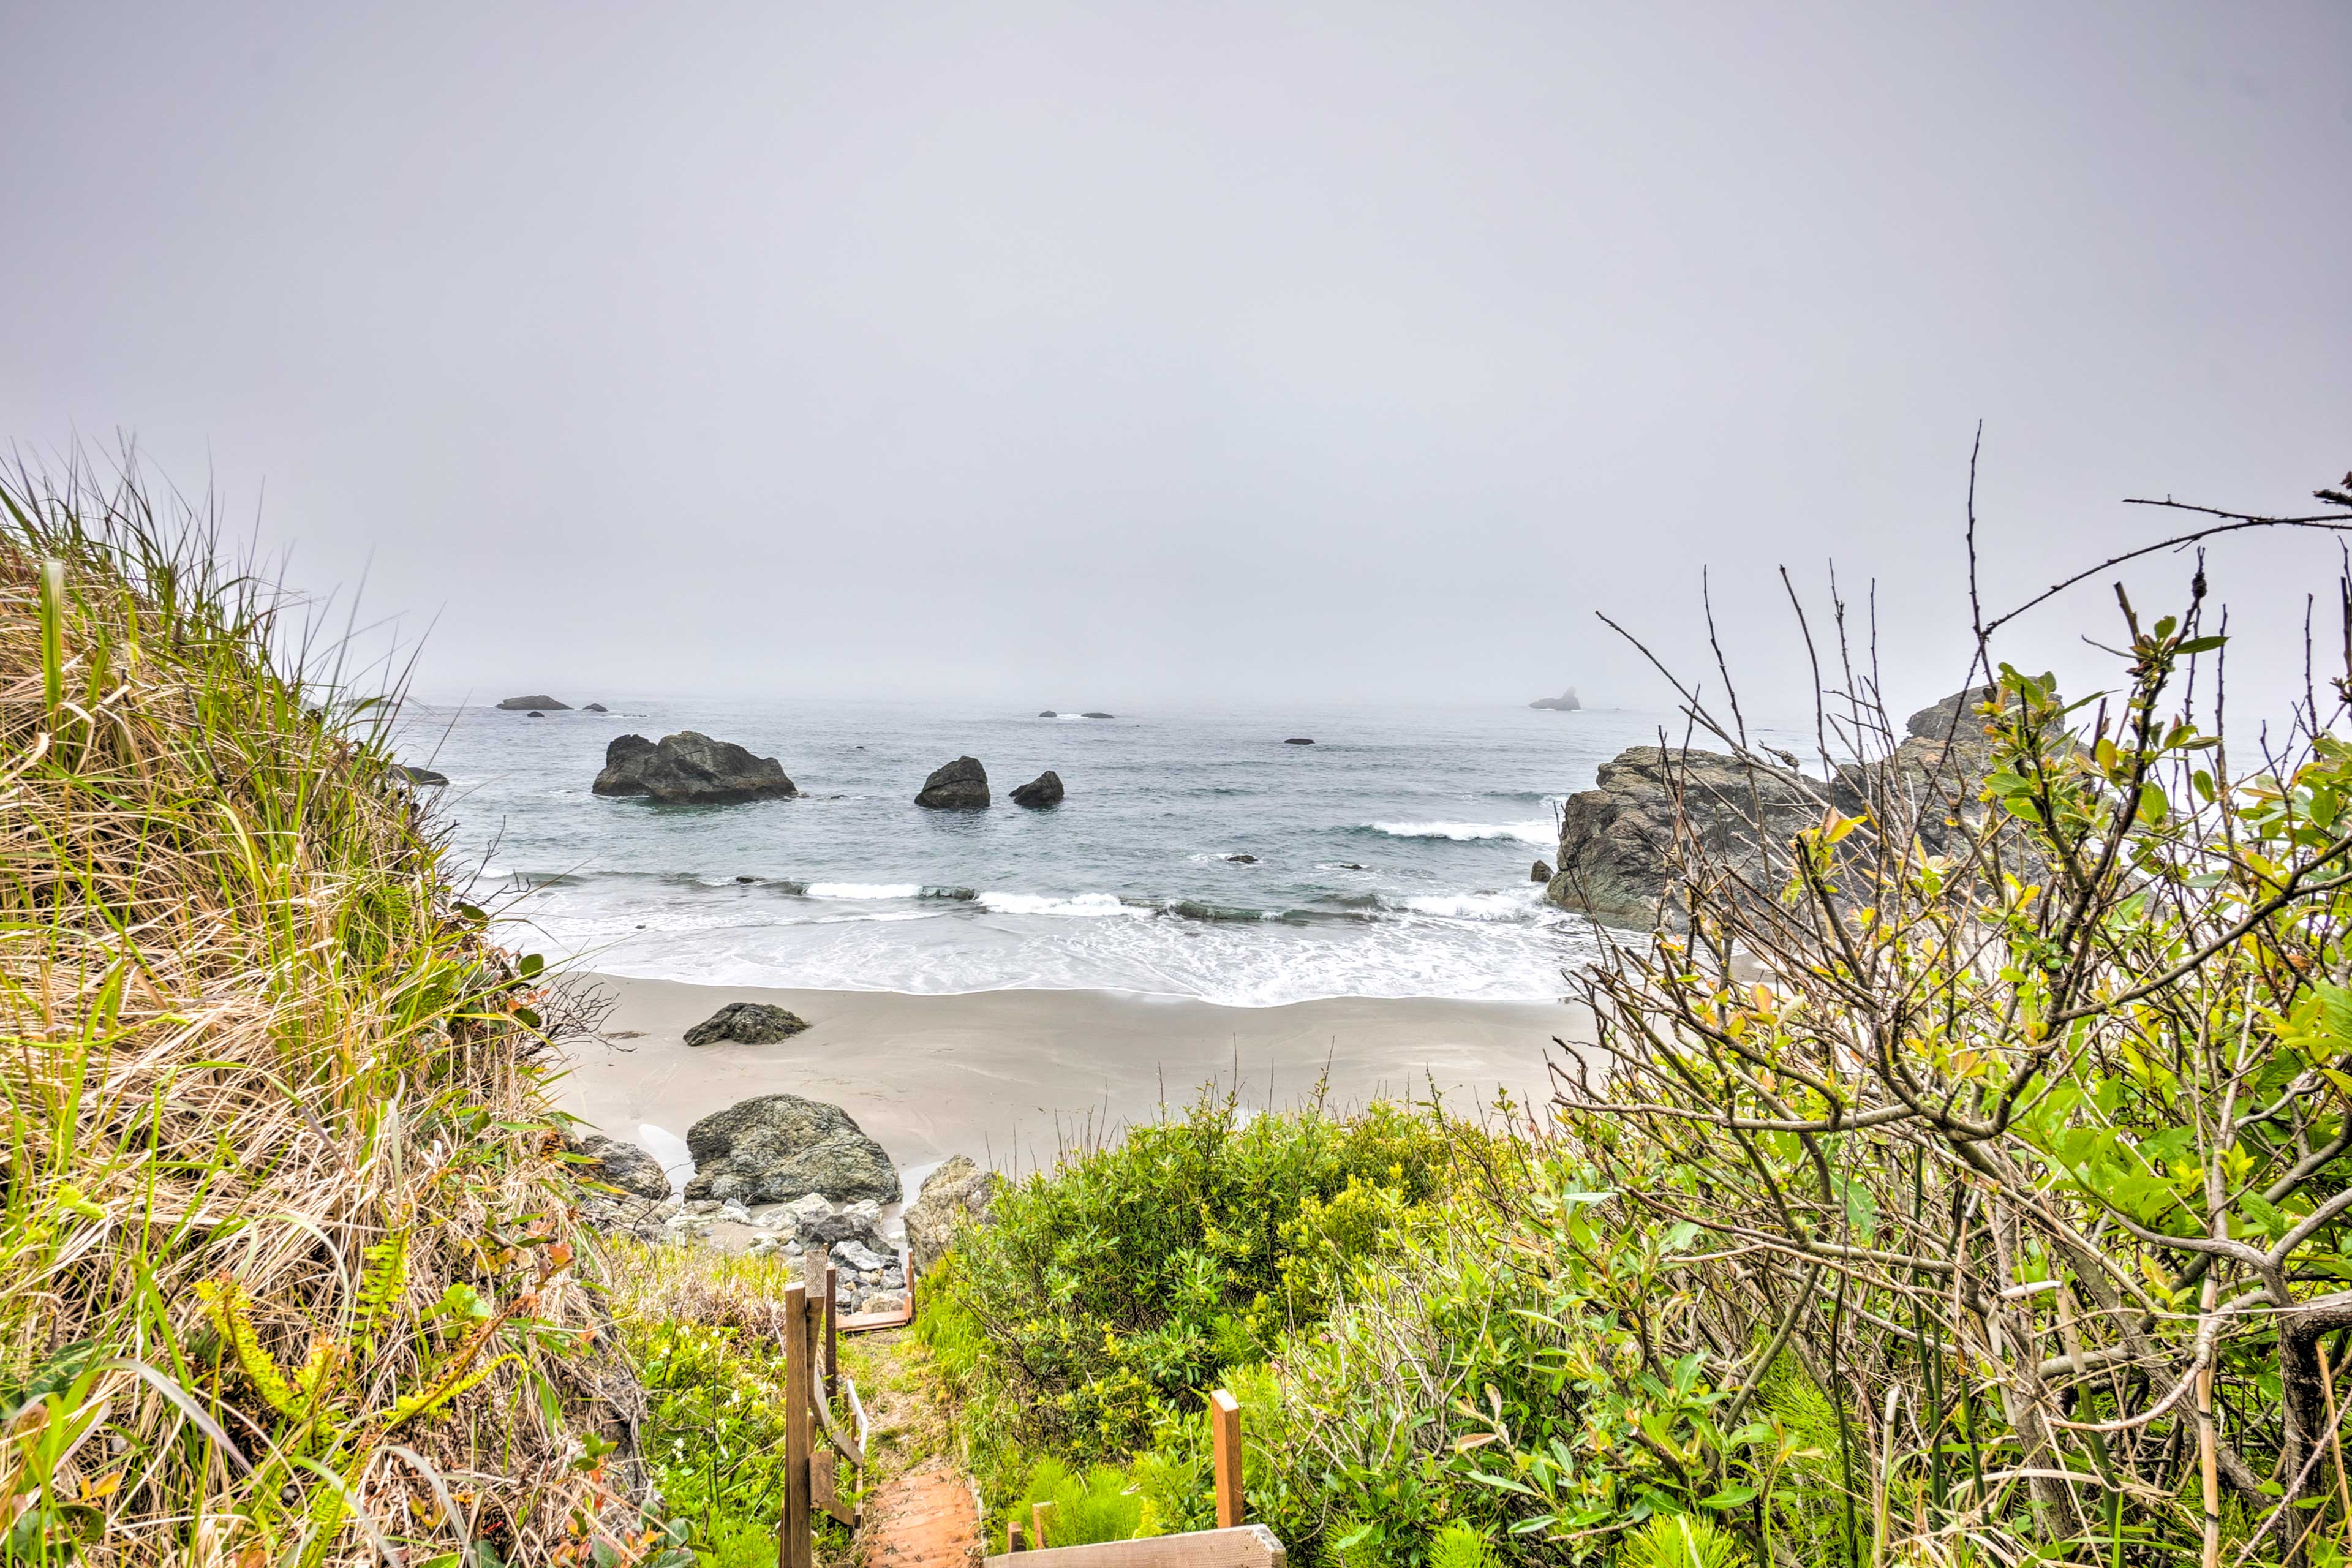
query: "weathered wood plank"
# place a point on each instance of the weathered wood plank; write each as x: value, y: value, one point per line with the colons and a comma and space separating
x: 1246, y: 1546
x: 1225, y: 1429
x: 795, y: 1537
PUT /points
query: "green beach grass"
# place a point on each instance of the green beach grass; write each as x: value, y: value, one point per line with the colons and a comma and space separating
x: 287, y: 1270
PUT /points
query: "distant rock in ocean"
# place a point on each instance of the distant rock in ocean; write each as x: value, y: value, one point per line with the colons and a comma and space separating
x: 1048, y: 713
x: 1298, y: 740
x: 690, y: 769
x: 1242, y: 859
x: 961, y: 785
x: 1097, y: 715
x: 524, y: 704
x: 596, y: 708
x: 1045, y: 789
x: 534, y: 713
x: 422, y: 776
x: 1565, y: 703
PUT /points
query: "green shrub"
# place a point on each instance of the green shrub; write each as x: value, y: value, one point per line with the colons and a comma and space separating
x: 1679, y: 1540
x: 1110, y: 1292
x: 1085, y: 1509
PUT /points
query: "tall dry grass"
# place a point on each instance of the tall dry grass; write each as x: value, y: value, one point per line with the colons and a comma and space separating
x: 287, y: 1263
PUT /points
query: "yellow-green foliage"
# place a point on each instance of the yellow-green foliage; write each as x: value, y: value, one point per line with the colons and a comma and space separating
x: 286, y: 1262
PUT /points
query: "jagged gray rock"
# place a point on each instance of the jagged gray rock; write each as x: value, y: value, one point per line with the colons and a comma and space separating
x: 746, y: 1023
x: 1045, y: 789
x: 623, y: 1165
x: 1617, y: 839
x: 852, y: 1222
x: 1565, y: 703
x: 779, y: 1147
x: 956, y: 1194
x: 690, y: 769
x: 961, y: 785
x: 1541, y: 873
x: 523, y: 704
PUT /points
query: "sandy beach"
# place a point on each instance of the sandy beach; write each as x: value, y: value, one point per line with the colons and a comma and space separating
x: 1011, y: 1077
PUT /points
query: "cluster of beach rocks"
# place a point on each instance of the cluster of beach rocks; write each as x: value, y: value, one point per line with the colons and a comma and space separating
x: 780, y: 1176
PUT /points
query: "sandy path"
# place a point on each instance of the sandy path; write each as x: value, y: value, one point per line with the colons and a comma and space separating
x: 1016, y: 1075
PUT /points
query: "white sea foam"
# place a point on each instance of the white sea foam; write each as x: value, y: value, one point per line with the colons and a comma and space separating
x: 1506, y: 905
x: 1046, y: 904
x: 865, y: 889
x: 1467, y: 832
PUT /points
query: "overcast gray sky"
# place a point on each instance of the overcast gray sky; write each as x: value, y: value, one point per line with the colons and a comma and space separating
x: 1113, y: 354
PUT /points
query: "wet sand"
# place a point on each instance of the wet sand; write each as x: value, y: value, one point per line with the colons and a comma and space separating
x: 1010, y: 1078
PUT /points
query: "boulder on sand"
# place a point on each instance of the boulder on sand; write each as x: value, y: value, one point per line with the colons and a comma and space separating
x: 956, y: 1194
x: 524, y: 704
x: 690, y: 769
x: 779, y: 1147
x: 746, y: 1023
x: 961, y: 785
x: 623, y: 1165
x: 1045, y: 789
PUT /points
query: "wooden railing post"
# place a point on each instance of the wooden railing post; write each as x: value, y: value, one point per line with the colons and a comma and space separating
x: 795, y: 1537
x: 832, y: 1372
x: 1225, y: 1433
x: 1037, y: 1512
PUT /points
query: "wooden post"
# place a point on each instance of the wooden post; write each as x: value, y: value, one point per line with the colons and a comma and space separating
x: 1225, y: 1431
x: 1013, y: 1541
x: 795, y: 1541
x: 1037, y: 1512
x: 832, y: 1361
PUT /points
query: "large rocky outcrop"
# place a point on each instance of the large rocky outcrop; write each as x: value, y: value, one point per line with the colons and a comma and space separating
x: 1045, y: 789
x: 690, y: 769
x: 1617, y: 839
x: 780, y: 1147
x: 956, y: 1194
x: 746, y: 1023
x: 524, y: 704
x: 961, y: 785
x: 1565, y: 703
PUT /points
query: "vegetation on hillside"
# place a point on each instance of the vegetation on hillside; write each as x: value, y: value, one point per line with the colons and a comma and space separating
x: 1981, y: 1205
x: 287, y: 1266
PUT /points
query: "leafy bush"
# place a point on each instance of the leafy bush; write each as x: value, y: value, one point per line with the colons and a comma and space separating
x: 1110, y: 1292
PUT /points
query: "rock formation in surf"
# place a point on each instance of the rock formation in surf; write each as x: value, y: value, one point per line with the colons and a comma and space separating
x: 1097, y: 715
x: 779, y: 1147
x: 524, y: 704
x: 1298, y: 740
x: 961, y: 785
x: 596, y: 708
x: 746, y: 1023
x: 690, y: 769
x: 1617, y: 839
x: 422, y: 775
x: 1565, y: 703
x: 1045, y: 789
x: 1541, y: 872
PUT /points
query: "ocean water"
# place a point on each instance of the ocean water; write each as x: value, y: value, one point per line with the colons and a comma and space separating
x: 1391, y: 856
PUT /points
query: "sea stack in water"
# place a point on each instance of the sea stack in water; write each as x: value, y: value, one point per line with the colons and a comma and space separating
x: 1045, y: 789
x: 690, y: 769
x: 596, y: 708
x: 1097, y: 715
x: 525, y: 704
x: 1047, y: 713
x: 961, y: 785
x: 1539, y: 873
x: 1565, y: 703
x: 1298, y: 740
